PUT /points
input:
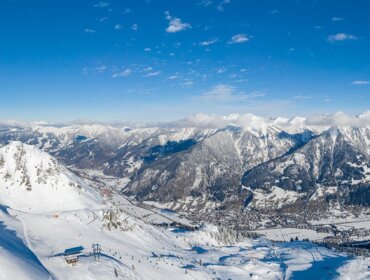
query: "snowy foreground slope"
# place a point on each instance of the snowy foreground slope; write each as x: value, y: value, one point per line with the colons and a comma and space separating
x: 45, y: 209
x: 33, y: 181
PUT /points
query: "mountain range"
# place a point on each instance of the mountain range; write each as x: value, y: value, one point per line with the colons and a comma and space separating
x: 239, y: 170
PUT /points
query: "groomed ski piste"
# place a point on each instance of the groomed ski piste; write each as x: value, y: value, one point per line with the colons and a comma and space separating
x: 62, y: 211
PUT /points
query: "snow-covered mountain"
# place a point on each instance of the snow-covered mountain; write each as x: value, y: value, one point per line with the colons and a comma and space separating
x: 33, y: 181
x: 211, y: 169
x: 334, y: 167
x: 225, y: 163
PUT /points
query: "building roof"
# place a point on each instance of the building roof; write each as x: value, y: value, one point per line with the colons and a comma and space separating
x: 74, y: 250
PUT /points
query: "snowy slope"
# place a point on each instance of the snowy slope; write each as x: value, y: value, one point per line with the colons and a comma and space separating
x: 33, y: 181
x: 17, y: 261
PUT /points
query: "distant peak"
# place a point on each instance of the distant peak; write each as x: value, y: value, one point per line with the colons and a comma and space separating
x: 364, y: 115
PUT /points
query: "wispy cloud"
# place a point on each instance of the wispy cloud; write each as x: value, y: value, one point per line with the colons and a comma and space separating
x: 224, y: 93
x: 239, y: 38
x: 209, y: 42
x: 360, y: 82
x: 147, y: 69
x: 202, y: 120
x: 124, y: 73
x: 88, y: 30
x: 336, y: 119
x: 221, y: 5
x: 100, y: 69
x: 175, y: 24
x: 187, y: 83
x: 101, y: 4
x: 341, y: 37
x: 205, y: 3
x: 337, y: 19
x: 127, y: 11
x: 135, y: 27
x: 153, y: 74
x: 118, y: 27
x: 221, y: 70
x: 302, y: 97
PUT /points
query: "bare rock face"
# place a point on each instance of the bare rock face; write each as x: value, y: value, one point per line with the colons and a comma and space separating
x: 115, y: 219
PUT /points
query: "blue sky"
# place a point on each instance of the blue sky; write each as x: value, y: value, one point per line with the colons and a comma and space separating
x: 158, y: 60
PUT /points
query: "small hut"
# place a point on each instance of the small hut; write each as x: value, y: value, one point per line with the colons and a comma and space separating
x: 71, y: 255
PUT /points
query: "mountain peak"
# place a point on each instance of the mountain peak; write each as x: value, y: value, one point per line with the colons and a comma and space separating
x: 33, y: 181
x: 365, y: 115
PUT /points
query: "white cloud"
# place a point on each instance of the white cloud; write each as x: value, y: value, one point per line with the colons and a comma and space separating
x: 316, y: 122
x: 147, y: 69
x: 227, y: 93
x: 221, y: 5
x: 220, y: 93
x: 360, y: 82
x: 118, y: 27
x: 335, y: 119
x: 302, y: 97
x: 85, y: 71
x: 175, y: 24
x: 221, y: 70
x: 147, y: 49
x: 125, y: 73
x: 321, y: 122
x: 239, y: 38
x: 209, y: 42
x: 341, y: 37
x: 326, y: 98
x: 87, y: 30
x: 135, y: 27
x: 127, y: 11
x: 205, y: 3
x: 173, y: 77
x: 187, y: 83
x: 100, y: 69
x: 101, y: 4
x: 218, y: 121
x: 153, y: 74
x: 337, y: 19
